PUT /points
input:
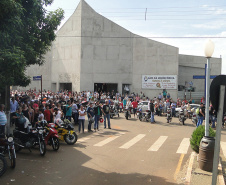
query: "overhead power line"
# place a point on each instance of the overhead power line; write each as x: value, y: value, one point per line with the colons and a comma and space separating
x: 172, y: 37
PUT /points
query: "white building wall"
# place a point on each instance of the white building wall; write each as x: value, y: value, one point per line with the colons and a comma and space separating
x: 153, y: 58
x: 106, y: 56
x: 66, y: 49
x: 90, y: 49
x: 195, y: 65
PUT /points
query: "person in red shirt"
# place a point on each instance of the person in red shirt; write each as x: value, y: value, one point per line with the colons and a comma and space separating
x: 35, y: 105
x: 134, y: 105
x: 47, y: 114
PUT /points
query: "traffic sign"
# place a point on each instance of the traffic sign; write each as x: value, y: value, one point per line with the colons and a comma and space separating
x: 215, y: 91
x: 191, y: 83
x: 37, y: 78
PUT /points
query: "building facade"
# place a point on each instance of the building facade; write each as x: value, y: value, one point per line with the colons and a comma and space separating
x: 93, y: 53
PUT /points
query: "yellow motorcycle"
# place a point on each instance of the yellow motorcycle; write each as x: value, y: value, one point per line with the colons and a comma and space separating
x: 66, y: 131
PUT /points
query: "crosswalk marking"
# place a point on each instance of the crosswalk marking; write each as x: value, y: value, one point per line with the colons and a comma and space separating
x: 183, y: 148
x: 108, y: 140
x: 132, y: 141
x: 155, y: 147
x: 223, y: 147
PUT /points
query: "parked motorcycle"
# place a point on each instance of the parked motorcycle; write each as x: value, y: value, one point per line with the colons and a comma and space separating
x: 30, y: 140
x: 182, y: 116
x: 194, y: 119
x: 66, y: 131
x: 169, y: 115
x: 3, y: 164
x: 113, y: 111
x: 7, y: 147
x: 139, y: 114
x: 51, y: 136
x: 127, y: 114
x: 148, y: 115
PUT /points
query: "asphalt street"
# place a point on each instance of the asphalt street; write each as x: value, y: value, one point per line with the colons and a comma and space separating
x: 132, y: 152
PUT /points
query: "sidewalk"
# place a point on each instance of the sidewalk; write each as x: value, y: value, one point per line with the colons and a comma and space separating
x: 193, y: 175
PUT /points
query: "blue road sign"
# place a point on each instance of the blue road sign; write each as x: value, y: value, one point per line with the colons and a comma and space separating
x: 204, y: 77
x: 37, y: 78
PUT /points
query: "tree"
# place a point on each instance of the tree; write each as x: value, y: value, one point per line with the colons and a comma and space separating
x: 26, y: 33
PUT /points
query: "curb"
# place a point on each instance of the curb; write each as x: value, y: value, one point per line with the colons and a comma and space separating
x: 220, y: 174
x: 189, y: 171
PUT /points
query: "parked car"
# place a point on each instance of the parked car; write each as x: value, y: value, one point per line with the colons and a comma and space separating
x: 143, y: 105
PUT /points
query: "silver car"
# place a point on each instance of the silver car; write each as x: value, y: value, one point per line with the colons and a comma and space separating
x: 143, y: 105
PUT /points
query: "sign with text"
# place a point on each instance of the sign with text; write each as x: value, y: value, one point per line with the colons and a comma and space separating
x: 159, y: 81
x: 37, y: 78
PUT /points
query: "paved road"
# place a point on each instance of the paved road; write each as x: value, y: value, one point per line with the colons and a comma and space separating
x: 132, y: 152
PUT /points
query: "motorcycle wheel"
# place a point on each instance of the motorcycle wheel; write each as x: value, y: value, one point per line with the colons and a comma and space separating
x: 183, y: 121
x: 127, y: 115
x: 12, y: 158
x: 3, y: 165
x: 111, y: 116
x: 71, y: 139
x: 42, y: 148
x: 17, y: 141
x: 55, y: 143
x: 167, y: 120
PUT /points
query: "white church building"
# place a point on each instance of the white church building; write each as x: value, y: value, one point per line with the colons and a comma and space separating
x: 93, y: 53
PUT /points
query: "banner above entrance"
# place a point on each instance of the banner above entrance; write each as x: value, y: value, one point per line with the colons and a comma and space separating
x: 159, y: 81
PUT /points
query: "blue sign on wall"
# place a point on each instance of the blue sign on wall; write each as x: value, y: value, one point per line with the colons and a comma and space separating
x: 37, y: 78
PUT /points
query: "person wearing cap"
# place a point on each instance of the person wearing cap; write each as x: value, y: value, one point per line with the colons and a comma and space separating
x: 106, y: 112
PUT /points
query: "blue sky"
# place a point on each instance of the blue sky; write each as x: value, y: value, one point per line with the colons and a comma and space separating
x: 168, y: 19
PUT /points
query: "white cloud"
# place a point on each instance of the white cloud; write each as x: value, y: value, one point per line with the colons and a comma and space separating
x: 211, y: 25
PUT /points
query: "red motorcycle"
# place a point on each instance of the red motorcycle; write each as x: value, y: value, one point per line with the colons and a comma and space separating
x: 51, y: 137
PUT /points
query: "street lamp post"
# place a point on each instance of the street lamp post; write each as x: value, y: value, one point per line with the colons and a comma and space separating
x: 209, y: 49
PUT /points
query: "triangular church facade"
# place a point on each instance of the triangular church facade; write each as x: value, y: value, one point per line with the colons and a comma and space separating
x: 93, y: 53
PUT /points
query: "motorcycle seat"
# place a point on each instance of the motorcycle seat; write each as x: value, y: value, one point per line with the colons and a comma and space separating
x: 19, y: 131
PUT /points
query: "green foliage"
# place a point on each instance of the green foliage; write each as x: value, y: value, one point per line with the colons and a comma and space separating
x: 197, y: 136
x: 26, y: 33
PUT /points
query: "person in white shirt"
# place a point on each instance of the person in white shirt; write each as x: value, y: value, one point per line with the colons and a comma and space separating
x: 41, y: 115
x: 57, y: 114
x: 81, y: 119
x: 129, y: 105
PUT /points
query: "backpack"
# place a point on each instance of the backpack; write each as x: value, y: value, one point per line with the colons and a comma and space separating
x: 197, y: 111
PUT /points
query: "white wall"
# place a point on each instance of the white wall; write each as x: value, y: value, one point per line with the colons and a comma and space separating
x: 195, y: 65
x: 106, y: 57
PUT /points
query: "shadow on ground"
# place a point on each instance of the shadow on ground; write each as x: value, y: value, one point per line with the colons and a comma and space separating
x: 67, y: 167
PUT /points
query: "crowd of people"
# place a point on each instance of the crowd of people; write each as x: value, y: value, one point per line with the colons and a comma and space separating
x: 67, y: 105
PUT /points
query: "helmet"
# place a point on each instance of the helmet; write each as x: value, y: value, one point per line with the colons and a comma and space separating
x: 42, y: 123
x: 101, y: 120
x: 91, y: 120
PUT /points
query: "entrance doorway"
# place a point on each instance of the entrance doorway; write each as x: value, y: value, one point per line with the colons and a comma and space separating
x: 125, y: 88
x: 53, y: 87
x: 105, y: 87
x: 66, y: 86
